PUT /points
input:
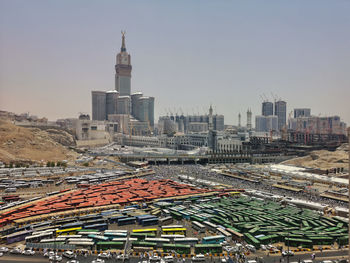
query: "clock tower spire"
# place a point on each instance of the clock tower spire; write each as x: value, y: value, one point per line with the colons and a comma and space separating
x: 123, y: 70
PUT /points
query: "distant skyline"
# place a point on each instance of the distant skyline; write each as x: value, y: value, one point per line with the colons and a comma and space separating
x: 188, y: 54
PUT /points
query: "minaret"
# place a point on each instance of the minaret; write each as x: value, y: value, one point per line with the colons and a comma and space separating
x: 239, y: 120
x: 249, y: 119
x: 123, y: 70
x: 211, y: 126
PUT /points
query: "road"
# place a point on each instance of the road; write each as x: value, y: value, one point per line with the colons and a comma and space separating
x: 320, y: 256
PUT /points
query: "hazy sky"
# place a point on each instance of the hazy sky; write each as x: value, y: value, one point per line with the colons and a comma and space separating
x: 187, y: 54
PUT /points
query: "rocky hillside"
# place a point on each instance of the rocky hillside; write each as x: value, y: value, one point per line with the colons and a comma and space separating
x: 323, y: 159
x: 19, y: 144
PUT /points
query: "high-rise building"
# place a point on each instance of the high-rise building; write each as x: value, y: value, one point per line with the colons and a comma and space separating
x: 135, y: 104
x: 239, y: 120
x: 210, y: 116
x: 260, y: 123
x: 120, y: 105
x: 266, y: 123
x: 123, y: 105
x: 249, y: 119
x: 143, y: 109
x: 281, y: 113
x: 123, y: 70
x: 302, y: 112
x: 98, y: 105
x: 267, y: 108
x: 111, y: 102
x: 151, y: 111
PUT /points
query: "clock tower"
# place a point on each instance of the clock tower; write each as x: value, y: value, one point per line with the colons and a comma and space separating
x: 123, y: 70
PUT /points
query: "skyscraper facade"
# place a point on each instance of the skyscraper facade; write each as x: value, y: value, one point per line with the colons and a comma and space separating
x: 267, y: 108
x: 151, y: 111
x: 249, y: 119
x: 303, y: 112
x: 123, y: 105
x: 135, y: 104
x: 111, y: 102
x: 98, y: 105
x: 281, y: 113
x: 120, y: 105
x: 123, y: 70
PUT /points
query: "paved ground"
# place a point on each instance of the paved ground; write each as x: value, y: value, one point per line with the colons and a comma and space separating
x: 328, y: 255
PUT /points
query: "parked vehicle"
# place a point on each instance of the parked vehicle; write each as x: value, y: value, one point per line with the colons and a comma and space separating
x: 16, y: 250
x: 55, y: 258
x: 4, y: 249
x: 104, y: 255
x: 68, y: 254
x: 287, y: 253
x: 198, y: 258
x: 28, y: 252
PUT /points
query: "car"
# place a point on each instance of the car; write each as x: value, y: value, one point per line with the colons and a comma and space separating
x: 307, y: 261
x: 28, y: 252
x: 4, y: 249
x: 263, y: 247
x: 73, y: 261
x: 252, y: 261
x: 228, y: 248
x: 123, y: 257
x: 16, y: 250
x: 251, y: 248
x: 104, y: 255
x: 68, y: 254
x: 223, y: 260
x: 198, y: 258
x: 98, y: 260
x: 55, y: 258
x: 1, y: 254
x: 154, y: 259
x: 287, y: 253
x: 49, y: 254
x: 168, y: 259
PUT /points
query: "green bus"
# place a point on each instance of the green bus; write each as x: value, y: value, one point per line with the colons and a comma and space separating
x: 104, y: 245
x: 207, y: 248
x: 178, y: 248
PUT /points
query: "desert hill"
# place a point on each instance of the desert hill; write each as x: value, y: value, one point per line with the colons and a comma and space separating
x: 323, y: 159
x: 19, y: 144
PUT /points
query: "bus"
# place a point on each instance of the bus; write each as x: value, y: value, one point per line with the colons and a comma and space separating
x: 174, y: 231
x: 145, y: 231
x: 207, y: 248
x: 158, y: 241
x: 36, y: 238
x: 104, y: 245
x: 228, y: 235
x: 68, y: 231
x: 98, y: 237
x: 142, y: 236
x: 178, y: 248
x: 235, y: 234
x: 150, y: 222
x: 85, y: 245
x: 150, y: 245
x: 172, y: 226
x: 126, y: 221
x: 252, y: 240
x: 186, y: 240
x: 296, y: 242
x: 213, y: 239
x: 100, y: 227
x: 210, y: 225
x: 198, y: 226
